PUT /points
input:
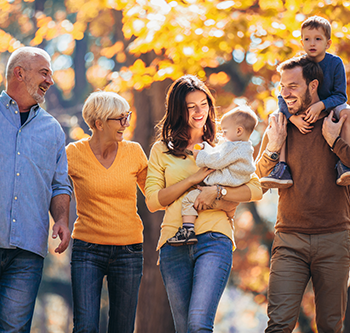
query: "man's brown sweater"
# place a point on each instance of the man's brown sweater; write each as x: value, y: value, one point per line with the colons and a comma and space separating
x: 314, y: 204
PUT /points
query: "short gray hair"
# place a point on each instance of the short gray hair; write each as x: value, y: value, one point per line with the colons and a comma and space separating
x: 102, y: 105
x: 23, y: 57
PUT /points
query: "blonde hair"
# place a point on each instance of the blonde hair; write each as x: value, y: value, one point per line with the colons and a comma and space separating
x: 243, y: 116
x: 23, y: 57
x: 102, y: 105
x: 315, y: 22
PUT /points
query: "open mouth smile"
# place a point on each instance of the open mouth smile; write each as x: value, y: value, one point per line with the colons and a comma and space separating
x: 291, y: 102
x: 43, y: 89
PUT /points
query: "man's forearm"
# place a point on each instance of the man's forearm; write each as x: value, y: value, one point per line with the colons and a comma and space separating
x: 59, y: 208
x: 264, y: 165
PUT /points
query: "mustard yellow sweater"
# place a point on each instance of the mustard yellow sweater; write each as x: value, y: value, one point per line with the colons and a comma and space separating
x: 165, y: 170
x: 106, y: 198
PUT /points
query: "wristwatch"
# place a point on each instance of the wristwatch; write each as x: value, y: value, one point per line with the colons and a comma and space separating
x: 221, y: 192
x: 273, y: 155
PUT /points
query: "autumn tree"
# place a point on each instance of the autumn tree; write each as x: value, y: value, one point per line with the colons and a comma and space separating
x: 137, y: 48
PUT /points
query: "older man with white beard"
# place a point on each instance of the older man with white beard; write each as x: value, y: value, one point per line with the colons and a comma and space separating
x: 313, y: 220
x: 33, y: 180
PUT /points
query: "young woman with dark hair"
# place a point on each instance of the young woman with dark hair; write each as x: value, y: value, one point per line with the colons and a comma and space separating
x: 194, y: 275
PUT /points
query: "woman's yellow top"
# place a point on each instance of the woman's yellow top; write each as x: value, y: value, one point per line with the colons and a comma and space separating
x: 106, y: 198
x: 165, y: 170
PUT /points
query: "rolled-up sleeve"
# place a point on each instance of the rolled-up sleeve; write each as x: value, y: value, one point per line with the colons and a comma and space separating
x: 60, y: 182
x: 155, y: 180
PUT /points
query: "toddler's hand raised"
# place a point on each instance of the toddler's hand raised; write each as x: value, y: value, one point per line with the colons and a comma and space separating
x: 299, y: 121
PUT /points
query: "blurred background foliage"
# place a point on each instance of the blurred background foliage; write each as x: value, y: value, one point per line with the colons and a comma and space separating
x: 137, y: 48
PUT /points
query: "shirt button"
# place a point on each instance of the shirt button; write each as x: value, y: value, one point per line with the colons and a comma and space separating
x: 18, y: 153
x: 20, y: 131
x: 13, y: 220
x: 17, y: 173
x: 16, y: 112
x: 15, y: 198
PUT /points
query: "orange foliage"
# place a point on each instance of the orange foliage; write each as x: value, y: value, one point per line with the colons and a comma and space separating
x: 64, y: 79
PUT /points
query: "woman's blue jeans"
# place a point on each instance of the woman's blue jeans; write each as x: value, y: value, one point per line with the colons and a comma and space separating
x: 195, y: 277
x: 123, y: 267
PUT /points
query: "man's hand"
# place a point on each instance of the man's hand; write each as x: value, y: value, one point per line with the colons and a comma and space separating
x: 59, y: 210
x: 330, y: 129
x: 276, y: 132
x: 313, y: 112
x: 62, y: 231
x: 299, y: 121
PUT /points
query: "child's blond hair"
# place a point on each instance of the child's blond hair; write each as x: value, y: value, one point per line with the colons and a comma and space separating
x: 315, y: 22
x: 243, y: 116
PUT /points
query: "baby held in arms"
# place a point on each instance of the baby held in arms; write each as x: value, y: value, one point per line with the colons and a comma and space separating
x: 232, y: 161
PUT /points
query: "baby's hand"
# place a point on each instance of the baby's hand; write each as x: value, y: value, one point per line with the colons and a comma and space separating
x: 313, y: 112
x: 299, y: 121
x: 197, y: 147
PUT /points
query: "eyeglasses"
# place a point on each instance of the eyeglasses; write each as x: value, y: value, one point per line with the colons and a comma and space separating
x: 123, y: 120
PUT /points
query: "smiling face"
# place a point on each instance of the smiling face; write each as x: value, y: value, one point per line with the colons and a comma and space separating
x: 37, y: 77
x: 198, y: 109
x: 114, y: 128
x: 315, y: 43
x: 295, y: 91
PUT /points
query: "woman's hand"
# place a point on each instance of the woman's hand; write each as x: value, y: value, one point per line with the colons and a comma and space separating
x: 168, y: 195
x: 206, y: 198
x: 200, y: 175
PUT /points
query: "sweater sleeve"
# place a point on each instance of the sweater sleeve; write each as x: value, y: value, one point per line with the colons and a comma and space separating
x: 141, y: 176
x: 226, y: 154
x: 342, y: 150
x: 338, y: 95
x: 155, y: 180
x: 255, y: 188
x: 70, y: 158
x: 282, y: 105
x: 264, y: 164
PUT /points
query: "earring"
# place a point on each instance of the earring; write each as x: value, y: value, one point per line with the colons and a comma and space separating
x: 205, y: 127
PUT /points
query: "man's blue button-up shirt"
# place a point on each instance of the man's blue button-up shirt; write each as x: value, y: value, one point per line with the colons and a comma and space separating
x: 33, y: 169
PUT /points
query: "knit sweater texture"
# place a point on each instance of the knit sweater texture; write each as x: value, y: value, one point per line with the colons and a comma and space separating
x: 315, y: 204
x: 106, y: 198
x: 232, y: 161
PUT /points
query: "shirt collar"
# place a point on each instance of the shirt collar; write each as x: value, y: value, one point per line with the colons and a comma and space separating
x: 6, y: 100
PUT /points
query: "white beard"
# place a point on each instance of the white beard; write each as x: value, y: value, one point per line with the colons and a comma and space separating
x: 33, y: 91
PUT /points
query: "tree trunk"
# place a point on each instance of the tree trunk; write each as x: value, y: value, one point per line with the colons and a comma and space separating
x: 153, y: 313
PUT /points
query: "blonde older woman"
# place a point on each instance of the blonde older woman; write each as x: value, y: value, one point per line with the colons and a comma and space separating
x: 107, y: 234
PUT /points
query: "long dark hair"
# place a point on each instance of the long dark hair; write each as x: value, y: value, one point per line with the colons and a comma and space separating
x: 173, y: 129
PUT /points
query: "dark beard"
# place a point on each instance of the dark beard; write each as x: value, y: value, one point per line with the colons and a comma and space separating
x: 305, y: 102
